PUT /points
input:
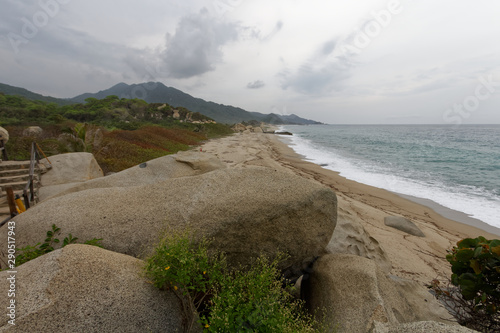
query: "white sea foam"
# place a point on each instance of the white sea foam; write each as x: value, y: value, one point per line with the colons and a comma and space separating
x: 467, y: 199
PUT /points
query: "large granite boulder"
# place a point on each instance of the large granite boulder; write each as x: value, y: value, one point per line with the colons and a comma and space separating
x: 182, y: 164
x: 358, y: 296
x: 83, y: 288
x: 246, y: 211
x: 71, y: 168
x: 350, y: 237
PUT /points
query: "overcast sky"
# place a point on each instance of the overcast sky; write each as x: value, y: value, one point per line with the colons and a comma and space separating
x: 363, y: 61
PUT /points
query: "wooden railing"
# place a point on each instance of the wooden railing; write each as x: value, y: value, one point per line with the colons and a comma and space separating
x: 29, y: 189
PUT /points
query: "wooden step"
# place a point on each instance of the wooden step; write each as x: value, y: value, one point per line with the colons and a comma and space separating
x: 18, y: 178
x: 17, y: 185
x: 16, y: 172
x: 14, y: 165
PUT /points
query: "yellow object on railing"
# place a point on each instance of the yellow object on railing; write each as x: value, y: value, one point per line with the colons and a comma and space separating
x: 20, y: 205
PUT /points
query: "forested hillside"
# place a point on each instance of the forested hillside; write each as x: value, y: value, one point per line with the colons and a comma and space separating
x: 120, y: 132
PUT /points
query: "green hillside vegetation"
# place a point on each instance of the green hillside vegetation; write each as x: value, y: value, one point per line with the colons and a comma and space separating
x: 120, y: 133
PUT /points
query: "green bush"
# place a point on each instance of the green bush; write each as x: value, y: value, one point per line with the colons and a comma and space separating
x: 474, y: 296
x: 223, y: 299
x: 29, y: 252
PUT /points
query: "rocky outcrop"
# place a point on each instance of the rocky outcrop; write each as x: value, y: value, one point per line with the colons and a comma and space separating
x: 247, y: 128
x: 404, y: 225
x: 83, y: 288
x: 350, y: 237
x: 239, y: 128
x: 359, y: 297
x: 247, y: 211
x: 182, y: 164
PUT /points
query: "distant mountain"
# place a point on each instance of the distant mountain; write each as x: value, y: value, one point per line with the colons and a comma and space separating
x: 11, y: 90
x: 159, y: 93
x: 163, y: 94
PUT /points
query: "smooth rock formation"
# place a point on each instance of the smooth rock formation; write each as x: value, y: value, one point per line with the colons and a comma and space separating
x: 70, y: 168
x: 350, y: 237
x: 83, y: 288
x: 182, y: 164
x: 358, y: 296
x: 199, y: 162
x: 247, y: 211
x: 427, y: 327
x: 403, y: 224
x: 32, y: 131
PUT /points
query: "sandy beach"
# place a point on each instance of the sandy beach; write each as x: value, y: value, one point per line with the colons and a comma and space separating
x: 418, y: 258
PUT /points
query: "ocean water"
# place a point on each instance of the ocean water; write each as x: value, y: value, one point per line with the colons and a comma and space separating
x: 455, y: 166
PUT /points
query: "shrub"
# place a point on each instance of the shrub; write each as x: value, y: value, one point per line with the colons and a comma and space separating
x: 254, y: 300
x: 29, y: 252
x: 474, y: 294
x: 224, y: 299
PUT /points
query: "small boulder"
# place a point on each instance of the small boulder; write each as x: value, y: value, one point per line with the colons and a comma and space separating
x: 358, y: 296
x: 404, y: 225
x: 258, y: 130
x: 33, y: 131
x: 4, y: 135
x: 83, y: 288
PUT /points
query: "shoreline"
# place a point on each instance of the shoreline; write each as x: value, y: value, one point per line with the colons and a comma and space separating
x: 446, y: 212
x: 421, y: 259
x: 471, y: 226
x: 454, y: 215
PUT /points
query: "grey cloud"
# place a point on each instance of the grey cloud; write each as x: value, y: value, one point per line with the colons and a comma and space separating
x: 324, y: 72
x: 256, y: 84
x: 256, y: 33
x: 195, y: 47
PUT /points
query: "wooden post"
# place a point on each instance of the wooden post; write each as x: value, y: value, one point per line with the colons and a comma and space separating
x: 26, y: 199
x: 32, y: 190
x: 11, y: 201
